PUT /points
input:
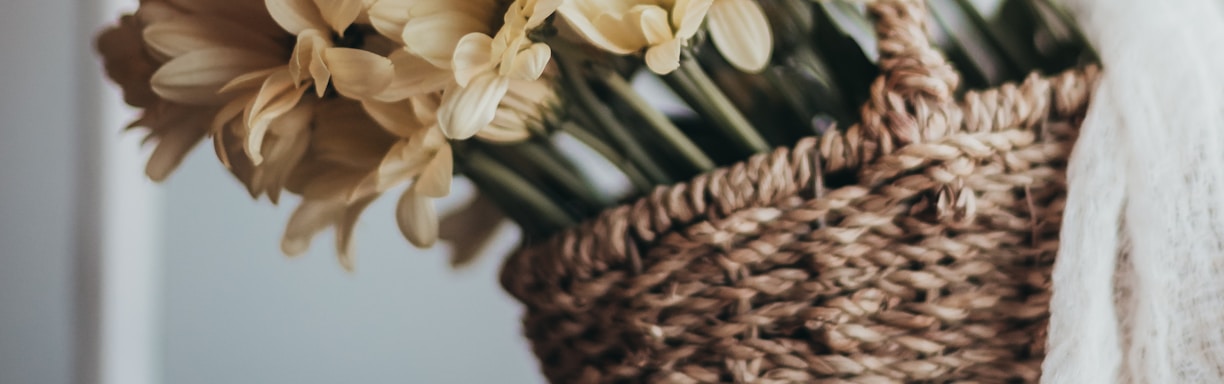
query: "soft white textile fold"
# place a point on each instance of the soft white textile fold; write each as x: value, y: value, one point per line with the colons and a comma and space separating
x: 1139, y: 282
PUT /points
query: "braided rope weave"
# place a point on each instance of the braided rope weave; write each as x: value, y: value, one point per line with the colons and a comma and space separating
x: 933, y: 267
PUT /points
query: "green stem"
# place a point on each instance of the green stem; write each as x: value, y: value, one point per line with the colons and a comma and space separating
x: 497, y: 179
x: 715, y: 105
x: 635, y: 175
x: 657, y: 121
x: 590, y: 103
x: 554, y: 165
x: 793, y: 96
x: 829, y: 99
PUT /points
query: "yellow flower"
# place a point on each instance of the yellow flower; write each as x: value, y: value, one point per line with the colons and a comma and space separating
x: 339, y: 177
x: 331, y: 51
x: 662, y: 28
x: 485, y: 65
x: 172, y: 58
x: 243, y: 72
x: 431, y: 29
x: 316, y: 62
x: 484, y: 55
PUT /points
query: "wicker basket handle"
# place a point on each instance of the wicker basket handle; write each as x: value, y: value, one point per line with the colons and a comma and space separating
x: 913, y: 99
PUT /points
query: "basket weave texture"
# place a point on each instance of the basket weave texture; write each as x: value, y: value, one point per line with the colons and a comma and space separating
x: 932, y: 265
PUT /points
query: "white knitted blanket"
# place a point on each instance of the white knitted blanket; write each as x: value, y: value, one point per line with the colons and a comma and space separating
x: 1139, y: 282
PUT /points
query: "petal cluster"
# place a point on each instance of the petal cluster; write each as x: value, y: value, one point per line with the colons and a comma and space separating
x: 337, y: 101
x: 660, y: 29
x: 485, y: 45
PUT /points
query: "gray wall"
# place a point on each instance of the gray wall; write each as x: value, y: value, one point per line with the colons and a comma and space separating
x: 236, y: 311
x: 37, y: 156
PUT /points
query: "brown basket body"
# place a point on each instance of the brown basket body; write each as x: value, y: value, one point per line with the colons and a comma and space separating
x: 933, y: 266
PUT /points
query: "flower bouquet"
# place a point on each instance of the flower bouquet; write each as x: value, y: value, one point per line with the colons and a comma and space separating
x: 828, y: 204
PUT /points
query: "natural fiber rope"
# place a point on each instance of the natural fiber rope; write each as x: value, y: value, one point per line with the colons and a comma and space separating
x: 934, y: 266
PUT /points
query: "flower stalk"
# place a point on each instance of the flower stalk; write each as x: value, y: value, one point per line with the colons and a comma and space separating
x: 657, y: 121
x: 515, y: 190
x: 591, y: 105
x: 709, y: 100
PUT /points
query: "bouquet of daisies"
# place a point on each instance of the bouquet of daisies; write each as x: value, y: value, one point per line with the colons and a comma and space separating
x: 343, y: 101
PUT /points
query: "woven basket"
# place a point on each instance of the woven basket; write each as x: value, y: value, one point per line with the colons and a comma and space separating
x: 931, y: 265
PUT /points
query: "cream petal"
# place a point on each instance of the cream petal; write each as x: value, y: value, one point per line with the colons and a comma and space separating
x: 687, y: 16
x: 221, y: 149
x: 366, y: 186
x: 173, y: 145
x: 249, y: 81
x: 426, y: 107
x: 191, y: 33
x: 435, y: 180
x: 288, y: 141
x: 413, y: 77
x: 339, y: 14
x: 402, y: 163
x: 277, y: 97
x: 530, y: 93
x: 333, y: 182
x: 319, y: 72
x: 741, y: 33
x: 506, y: 47
x: 307, y: 60
x: 417, y: 219
x: 479, y: 9
x: 358, y: 74
x: 395, y: 117
x: 507, y: 127
x: 653, y: 23
x: 467, y: 110
x: 310, y: 218
x: 473, y: 55
x: 434, y: 37
x: 344, y: 231
x: 388, y: 17
x: 296, y: 122
x: 601, y: 29
x: 227, y: 115
x: 664, y: 58
x: 530, y: 63
x: 197, y: 77
x: 541, y: 10
x: 252, y: 13
x: 344, y: 133
x: 296, y: 16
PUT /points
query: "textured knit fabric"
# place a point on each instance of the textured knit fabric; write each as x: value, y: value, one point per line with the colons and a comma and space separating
x: 1139, y: 281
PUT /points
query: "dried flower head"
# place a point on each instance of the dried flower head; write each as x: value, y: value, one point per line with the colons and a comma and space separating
x: 484, y: 43
x: 172, y: 57
x: 272, y: 82
x: 662, y: 28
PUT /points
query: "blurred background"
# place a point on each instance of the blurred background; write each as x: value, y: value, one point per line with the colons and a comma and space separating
x: 108, y: 278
